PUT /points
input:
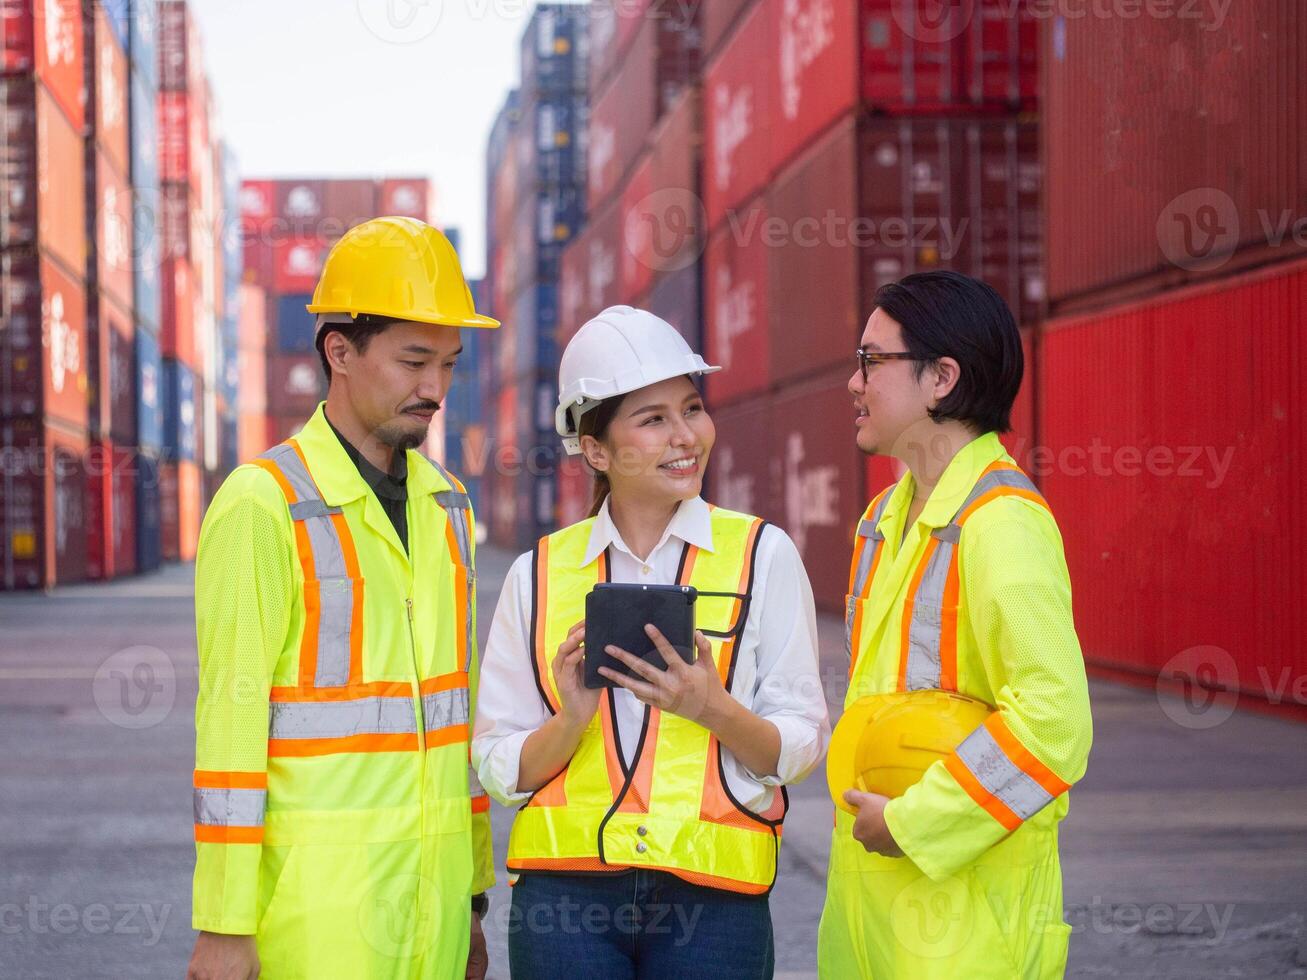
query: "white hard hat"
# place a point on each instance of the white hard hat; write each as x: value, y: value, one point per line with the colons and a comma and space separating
x: 621, y: 350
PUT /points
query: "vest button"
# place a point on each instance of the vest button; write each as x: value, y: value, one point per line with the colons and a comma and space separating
x: 642, y: 830
x: 645, y: 569
x: 640, y: 848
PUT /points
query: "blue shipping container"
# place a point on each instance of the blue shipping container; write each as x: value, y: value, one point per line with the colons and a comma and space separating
x: 119, y: 14
x: 149, y: 390
x: 295, y: 324
x: 559, y: 126
x: 179, y: 410
x: 143, y: 38
x: 555, y: 48
x: 229, y: 455
x: 143, y: 131
x: 149, y: 551
x: 535, y: 320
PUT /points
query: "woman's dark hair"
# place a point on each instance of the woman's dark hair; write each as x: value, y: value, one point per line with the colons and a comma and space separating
x: 359, y: 333
x: 947, y: 314
x: 595, y: 423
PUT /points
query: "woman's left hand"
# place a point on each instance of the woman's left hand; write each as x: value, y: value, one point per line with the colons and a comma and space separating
x: 693, y: 691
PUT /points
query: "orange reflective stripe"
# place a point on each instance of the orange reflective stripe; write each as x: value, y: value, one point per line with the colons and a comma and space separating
x: 449, y: 735
x: 206, y: 834
x: 908, y: 602
x: 481, y: 804
x: 1000, y: 492
x: 1023, y: 759
x: 275, y: 470
x: 445, y: 682
x: 305, y: 747
x: 637, y: 797
x: 612, y: 763
x: 212, y: 779
x: 356, y: 579
x: 385, y: 689
x: 544, y: 664
x: 992, y: 805
x: 552, y: 793
x: 583, y: 864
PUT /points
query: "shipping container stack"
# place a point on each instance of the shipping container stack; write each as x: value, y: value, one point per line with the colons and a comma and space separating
x: 45, y: 381
x: 462, y: 427
x: 111, y: 317
x: 1171, y: 369
x: 537, y: 169
x: 231, y: 274
x: 846, y: 147
x: 287, y: 227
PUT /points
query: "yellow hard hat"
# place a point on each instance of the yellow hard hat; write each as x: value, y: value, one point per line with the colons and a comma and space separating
x: 396, y: 267
x: 884, y: 743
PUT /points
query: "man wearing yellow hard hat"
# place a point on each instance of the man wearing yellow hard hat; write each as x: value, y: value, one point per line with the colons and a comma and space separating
x: 967, y: 717
x: 339, y: 829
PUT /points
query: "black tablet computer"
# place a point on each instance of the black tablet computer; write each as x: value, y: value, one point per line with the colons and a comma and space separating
x: 616, y: 614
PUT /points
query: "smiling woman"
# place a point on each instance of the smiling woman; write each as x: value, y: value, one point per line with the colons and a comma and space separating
x: 668, y: 784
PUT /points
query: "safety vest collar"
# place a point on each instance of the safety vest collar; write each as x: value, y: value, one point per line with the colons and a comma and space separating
x: 338, y: 479
x: 951, y: 491
x: 692, y: 524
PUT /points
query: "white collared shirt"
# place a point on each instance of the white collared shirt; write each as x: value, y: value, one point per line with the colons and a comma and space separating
x: 776, y: 672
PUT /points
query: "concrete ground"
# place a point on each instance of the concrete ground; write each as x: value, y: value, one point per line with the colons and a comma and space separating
x: 1185, y: 853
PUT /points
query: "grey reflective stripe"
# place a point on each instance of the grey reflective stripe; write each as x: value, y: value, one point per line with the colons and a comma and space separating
x: 1000, y: 775
x: 867, y: 529
x: 452, y: 498
x: 335, y: 587
x: 458, y: 508
x: 850, y: 607
x: 341, y: 719
x: 474, y: 787
x: 925, y: 634
x: 445, y: 708
x: 230, y: 807
x: 991, y: 481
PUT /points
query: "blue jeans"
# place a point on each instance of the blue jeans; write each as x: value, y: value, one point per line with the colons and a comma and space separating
x: 635, y: 924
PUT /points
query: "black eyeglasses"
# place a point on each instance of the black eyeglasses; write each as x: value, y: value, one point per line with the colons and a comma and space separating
x: 866, y: 358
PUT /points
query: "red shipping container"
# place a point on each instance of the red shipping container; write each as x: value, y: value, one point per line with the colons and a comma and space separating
x: 408, y: 197
x: 282, y: 427
x: 821, y: 479
x: 739, y: 115
x: 719, y: 19
x: 177, y: 336
x: 115, y: 380
x: 1022, y: 439
x: 593, y: 272
x: 64, y: 345
x: 16, y: 52
x: 252, y: 332
x: 297, y: 263
x: 258, y: 199
x: 742, y: 472
x: 60, y: 179
x: 913, y: 54
x: 295, y: 384
x: 252, y: 436
x: 813, y: 263
x: 1001, y: 58
x: 575, y: 491
x: 612, y: 27
x: 113, y: 231
x: 43, y: 533
x: 111, y: 511
x: 258, y: 258
x: 736, y: 329
x: 175, y: 47
x: 1179, y: 489
x: 175, y: 111
x: 572, y: 269
x: 301, y: 203
x: 816, y: 71
x: 350, y: 202
x: 18, y: 176
x: 180, y: 490
x: 111, y: 93
x: 621, y: 117
x: 59, y: 41
x: 1191, y: 164
x: 637, y: 256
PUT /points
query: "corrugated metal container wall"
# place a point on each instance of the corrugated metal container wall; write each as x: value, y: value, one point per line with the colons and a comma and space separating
x: 408, y: 197
x: 295, y: 384
x: 43, y: 527
x: 111, y: 511
x: 296, y: 263
x: 181, y: 409
x: 743, y: 473
x: 1159, y: 173
x: 816, y: 70
x: 621, y: 117
x: 295, y: 324
x: 351, y: 202
x: 16, y: 52
x: 60, y: 55
x: 113, y: 230
x: 737, y: 334
x: 676, y: 299
x: 555, y: 49
x: 814, y: 305
x: 1174, y: 518
x: 300, y: 203
x: 149, y: 392
x: 117, y: 377
x: 148, y: 541
x: 111, y: 92
x: 738, y: 96
x: 60, y: 167
x: 821, y: 479
x: 18, y: 170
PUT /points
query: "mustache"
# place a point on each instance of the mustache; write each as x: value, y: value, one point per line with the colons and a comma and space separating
x: 422, y: 407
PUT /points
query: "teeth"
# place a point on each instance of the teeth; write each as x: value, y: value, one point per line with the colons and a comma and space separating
x: 680, y: 464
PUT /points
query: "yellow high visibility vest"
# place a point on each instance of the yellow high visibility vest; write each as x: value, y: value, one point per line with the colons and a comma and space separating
x: 336, y: 814
x: 978, y: 893
x: 671, y: 808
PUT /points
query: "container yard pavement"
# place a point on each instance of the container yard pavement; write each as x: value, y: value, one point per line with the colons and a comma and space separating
x: 1184, y: 853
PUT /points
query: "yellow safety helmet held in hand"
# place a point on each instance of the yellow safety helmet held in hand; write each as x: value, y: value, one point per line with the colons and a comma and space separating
x: 395, y: 267
x: 884, y: 743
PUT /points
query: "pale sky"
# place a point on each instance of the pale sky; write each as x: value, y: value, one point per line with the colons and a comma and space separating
x: 349, y: 88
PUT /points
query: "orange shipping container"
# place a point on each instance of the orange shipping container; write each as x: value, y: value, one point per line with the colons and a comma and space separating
x: 113, y: 230
x: 111, y: 92
x: 60, y: 179
x: 57, y: 30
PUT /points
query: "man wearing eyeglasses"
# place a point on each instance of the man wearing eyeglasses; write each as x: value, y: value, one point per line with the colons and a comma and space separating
x: 959, y: 584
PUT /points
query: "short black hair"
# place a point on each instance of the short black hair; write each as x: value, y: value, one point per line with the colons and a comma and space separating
x: 359, y: 333
x: 947, y: 314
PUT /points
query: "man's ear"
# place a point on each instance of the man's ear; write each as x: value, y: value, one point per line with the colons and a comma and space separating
x: 336, y: 347
x: 947, y: 372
